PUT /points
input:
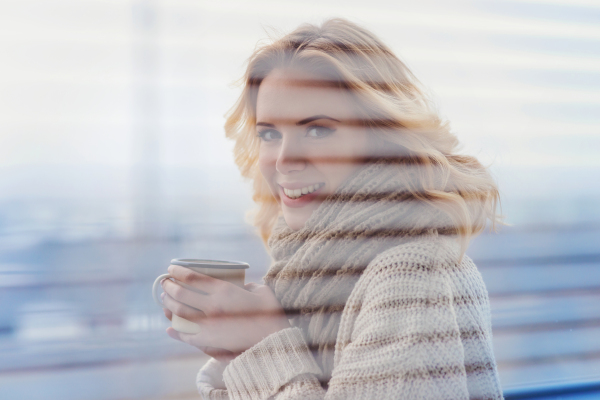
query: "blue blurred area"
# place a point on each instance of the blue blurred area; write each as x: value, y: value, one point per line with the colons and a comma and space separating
x: 86, y: 306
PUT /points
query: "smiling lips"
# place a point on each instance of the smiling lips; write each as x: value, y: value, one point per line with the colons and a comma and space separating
x: 297, y: 193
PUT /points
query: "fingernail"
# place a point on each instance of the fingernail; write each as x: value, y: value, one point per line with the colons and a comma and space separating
x: 162, y: 296
x: 172, y: 333
x: 170, y: 268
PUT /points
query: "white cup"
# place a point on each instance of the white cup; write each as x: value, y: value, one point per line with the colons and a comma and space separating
x: 230, y: 271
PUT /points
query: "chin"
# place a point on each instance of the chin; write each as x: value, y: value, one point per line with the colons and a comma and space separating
x: 295, y: 222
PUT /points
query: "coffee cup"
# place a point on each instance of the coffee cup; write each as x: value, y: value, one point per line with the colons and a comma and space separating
x: 230, y: 271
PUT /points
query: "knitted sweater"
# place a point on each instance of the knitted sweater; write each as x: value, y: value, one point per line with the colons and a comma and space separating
x: 416, y: 326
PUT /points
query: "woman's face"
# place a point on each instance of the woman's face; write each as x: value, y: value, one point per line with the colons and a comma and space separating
x: 310, y: 141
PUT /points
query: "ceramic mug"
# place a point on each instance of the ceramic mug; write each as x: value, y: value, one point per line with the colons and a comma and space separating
x: 230, y: 271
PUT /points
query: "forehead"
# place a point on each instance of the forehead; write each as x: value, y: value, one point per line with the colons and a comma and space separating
x: 290, y: 96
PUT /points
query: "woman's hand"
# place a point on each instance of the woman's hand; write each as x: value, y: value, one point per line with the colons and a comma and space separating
x: 219, y: 354
x: 230, y: 318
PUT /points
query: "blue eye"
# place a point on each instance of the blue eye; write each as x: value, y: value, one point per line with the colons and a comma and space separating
x: 318, y: 131
x: 269, y: 135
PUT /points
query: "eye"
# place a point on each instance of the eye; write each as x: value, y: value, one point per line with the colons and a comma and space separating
x: 269, y: 135
x: 318, y: 131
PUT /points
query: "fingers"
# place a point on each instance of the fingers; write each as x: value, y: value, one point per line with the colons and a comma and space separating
x: 173, y: 334
x: 251, y: 287
x: 215, y: 352
x: 191, y: 339
x: 194, y: 279
x: 219, y: 354
x: 183, y: 337
x: 185, y: 296
x: 182, y: 310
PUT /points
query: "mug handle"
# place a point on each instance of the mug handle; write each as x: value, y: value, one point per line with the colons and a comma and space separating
x: 155, y: 286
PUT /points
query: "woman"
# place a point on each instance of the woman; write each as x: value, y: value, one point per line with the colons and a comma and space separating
x: 367, y: 211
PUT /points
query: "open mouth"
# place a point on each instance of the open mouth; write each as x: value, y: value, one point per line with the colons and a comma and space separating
x: 297, y: 193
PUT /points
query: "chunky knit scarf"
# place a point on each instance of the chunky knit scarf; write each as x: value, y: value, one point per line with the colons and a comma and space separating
x: 315, y: 268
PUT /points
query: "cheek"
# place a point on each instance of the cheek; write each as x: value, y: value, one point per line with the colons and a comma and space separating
x: 266, y: 164
x: 337, y: 174
x: 350, y: 158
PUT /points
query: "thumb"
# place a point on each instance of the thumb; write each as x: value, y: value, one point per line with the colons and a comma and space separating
x: 252, y: 286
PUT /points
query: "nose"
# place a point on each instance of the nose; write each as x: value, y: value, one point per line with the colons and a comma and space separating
x: 291, y: 157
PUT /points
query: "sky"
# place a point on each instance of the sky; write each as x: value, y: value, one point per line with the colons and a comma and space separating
x: 104, y: 103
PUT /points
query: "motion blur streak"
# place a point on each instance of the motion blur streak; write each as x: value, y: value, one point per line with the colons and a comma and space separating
x: 113, y: 161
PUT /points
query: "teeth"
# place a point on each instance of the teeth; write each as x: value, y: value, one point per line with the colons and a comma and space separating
x: 295, y: 193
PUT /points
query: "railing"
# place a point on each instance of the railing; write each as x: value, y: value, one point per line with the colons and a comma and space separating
x: 579, y: 390
x: 87, y: 307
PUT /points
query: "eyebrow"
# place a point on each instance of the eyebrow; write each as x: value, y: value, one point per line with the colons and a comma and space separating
x: 302, y: 122
x: 314, y: 118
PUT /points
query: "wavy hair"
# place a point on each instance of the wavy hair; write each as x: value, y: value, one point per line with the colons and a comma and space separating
x: 396, y: 110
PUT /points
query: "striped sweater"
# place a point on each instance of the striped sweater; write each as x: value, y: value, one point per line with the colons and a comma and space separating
x: 416, y: 326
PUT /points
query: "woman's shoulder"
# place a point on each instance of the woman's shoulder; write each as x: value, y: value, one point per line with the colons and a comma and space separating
x: 433, y: 263
x: 430, y: 251
x: 428, y: 270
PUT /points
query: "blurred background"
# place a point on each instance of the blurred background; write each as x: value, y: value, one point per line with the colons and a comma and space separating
x: 113, y: 161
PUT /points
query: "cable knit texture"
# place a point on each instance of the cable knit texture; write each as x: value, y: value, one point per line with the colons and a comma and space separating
x: 316, y: 268
x: 381, y: 302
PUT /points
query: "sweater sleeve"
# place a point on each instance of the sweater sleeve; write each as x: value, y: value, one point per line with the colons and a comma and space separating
x: 209, y: 381
x: 404, y: 342
x: 280, y: 360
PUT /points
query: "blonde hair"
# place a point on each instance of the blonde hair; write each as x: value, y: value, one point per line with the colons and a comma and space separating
x: 396, y: 110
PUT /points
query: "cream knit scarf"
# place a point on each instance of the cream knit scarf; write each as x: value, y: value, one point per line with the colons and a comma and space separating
x: 315, y: 268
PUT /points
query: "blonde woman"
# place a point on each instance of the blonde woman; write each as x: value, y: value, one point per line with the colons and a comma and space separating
x: 367, y: 210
